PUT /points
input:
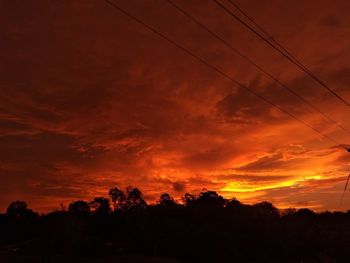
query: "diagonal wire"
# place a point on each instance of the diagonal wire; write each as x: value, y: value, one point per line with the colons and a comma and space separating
x: 266, y: 33
x: 189, y: 52
x: 258, y: 67
x: 342, y: 196
x: 303, y: 68
x: 222, y: 73
x: 216, y: 69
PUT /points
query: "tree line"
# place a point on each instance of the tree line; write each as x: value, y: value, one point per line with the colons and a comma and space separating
x: 202, y: 228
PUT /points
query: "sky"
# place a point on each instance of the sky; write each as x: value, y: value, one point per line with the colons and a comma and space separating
x: 92, y: 100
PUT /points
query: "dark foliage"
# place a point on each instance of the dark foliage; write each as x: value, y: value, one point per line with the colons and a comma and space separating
x: 100, y: 206
x: 166, y: 200
x: 18, y: 211
x: 205, y: 228
x: 79, y: 208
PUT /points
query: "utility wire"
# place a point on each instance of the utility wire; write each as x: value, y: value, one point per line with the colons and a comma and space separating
x: 342, y: 196
x: 257, y: 66
x: 266, y: 33
x: 271, y: 38
x: 275, y: 42
x: 303, y: 68
x: 203, y: 61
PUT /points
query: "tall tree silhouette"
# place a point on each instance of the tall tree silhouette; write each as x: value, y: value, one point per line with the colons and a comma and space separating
x: 118, y: 197
x: 134, y: 198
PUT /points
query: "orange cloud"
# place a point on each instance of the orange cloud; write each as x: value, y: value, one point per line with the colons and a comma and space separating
x: 90, y: 100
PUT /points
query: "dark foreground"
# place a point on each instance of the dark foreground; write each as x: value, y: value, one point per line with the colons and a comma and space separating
x: 206, y: 228
x: 16, y: 258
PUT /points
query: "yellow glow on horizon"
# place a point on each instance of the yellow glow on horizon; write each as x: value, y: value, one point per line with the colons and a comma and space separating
x: 240, y: 187
x: 246, y: 187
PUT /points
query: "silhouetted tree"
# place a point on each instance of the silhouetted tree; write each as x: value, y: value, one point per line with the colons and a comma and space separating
x: 233, y: 203
x: 208, y: 228
x: 100, y: 206
x: 79, y: 207
x: 166, y: 200
x: 210, y: 198
x: 18, y: 210
x: 266, y: 209
x: 305, y: 213
x: 188, y: 199
x: 118, y: 197
x: 134, y: 198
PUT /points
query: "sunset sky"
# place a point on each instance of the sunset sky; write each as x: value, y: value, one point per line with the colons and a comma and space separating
x: 90, y: 100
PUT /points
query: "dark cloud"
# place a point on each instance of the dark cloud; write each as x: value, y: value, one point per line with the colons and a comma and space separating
x: 270, y: 162
x: 179, y: 186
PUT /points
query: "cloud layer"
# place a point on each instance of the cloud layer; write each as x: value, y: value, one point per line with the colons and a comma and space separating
x: 91, y: 100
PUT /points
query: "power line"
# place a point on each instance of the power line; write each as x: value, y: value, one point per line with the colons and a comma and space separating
x: 275, y: 42
x: 256, y: 65
x: 342, y: 196
x: 266, y: 33
x: 187, y: 51
x: 302, y: 67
